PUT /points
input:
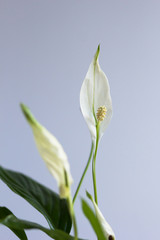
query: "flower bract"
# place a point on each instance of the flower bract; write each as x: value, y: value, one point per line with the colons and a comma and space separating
x: 106, y: 228
x: 52, y: 153
x: 95, y: 96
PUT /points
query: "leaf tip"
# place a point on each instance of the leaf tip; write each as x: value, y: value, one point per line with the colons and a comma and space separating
x: 89, y: 195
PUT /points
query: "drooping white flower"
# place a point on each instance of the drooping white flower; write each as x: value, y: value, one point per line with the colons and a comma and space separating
x: 52, y: 153
x: 106, y: 228
x: 95, y: 97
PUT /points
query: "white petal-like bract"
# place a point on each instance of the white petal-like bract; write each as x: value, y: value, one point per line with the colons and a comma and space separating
x: 107, y: 230
x: 52, y: 153
x: 95, y: 92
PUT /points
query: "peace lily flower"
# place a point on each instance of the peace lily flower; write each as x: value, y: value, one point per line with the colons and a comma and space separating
x: 52, y: 153
x: 106, y: 228
x: 95, y: 99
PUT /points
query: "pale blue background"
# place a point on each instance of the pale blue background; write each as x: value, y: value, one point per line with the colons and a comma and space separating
x: 45, y: 50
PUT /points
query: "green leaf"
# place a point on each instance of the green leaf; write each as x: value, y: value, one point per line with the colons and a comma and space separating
x: 47, y: 202
x: 4, y: 213
x: 18, y: 225
x: 90, y: 215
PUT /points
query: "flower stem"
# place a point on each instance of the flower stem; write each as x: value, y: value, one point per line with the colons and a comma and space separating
x: 94, y: 164
x: 73, y: 217
x: 75, y: 227
x: 70, y: 206
x: 84, y: 172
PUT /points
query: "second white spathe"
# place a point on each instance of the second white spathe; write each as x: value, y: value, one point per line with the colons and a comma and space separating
x: 52, y: 153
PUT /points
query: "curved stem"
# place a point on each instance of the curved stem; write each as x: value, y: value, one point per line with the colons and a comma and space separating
x: 84, y: 172
x: 94, y: 164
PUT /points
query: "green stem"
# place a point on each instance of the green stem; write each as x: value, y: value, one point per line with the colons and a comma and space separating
x: 75, y: 227
x: 73, y: 217
x: 70, y: 205
x: 94, y: 164
x: 84, y: 172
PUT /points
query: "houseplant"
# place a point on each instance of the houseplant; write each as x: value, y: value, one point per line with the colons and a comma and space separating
x: 58, y: 209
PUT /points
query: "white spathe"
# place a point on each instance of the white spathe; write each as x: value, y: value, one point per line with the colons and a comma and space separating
x: 95, y: 92
x: 108, y: 232
x: 52, y: 153
x: 106, y: 228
